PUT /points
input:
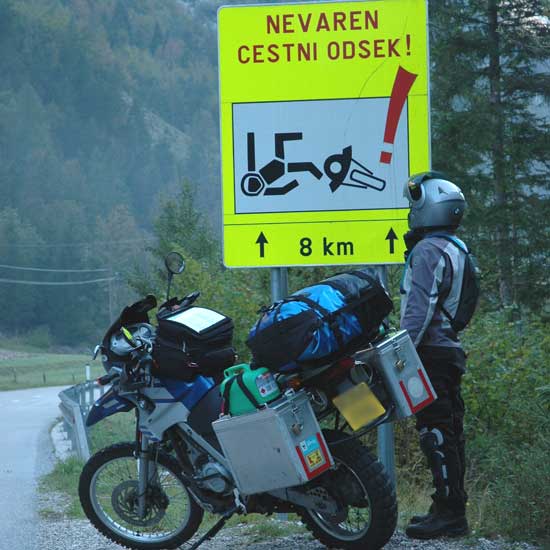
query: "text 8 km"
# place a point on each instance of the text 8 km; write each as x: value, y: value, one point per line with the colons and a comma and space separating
x: 326, y: 246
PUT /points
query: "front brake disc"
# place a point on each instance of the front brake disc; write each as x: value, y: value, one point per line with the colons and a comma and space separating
x: 124, y: 500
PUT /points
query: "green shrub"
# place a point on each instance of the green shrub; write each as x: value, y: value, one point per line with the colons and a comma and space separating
x: 512, y: 495
x: 508, y: 426
x: 507, y: 363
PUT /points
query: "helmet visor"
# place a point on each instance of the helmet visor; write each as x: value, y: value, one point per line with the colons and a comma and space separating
x: 413, y: 191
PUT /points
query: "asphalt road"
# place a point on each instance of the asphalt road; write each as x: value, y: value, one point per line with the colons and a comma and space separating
x: 25, y: 455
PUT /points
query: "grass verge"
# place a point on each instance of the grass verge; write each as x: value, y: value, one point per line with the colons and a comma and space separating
x: 63, y: 479
x: 31, y: 370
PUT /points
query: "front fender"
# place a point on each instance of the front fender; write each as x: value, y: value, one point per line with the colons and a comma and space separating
x: 108, y: 404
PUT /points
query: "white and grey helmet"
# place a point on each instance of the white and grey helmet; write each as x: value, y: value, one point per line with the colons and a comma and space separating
x: 434, y: 201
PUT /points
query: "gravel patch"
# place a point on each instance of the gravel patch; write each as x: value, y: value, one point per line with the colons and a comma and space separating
x: 64, y: 534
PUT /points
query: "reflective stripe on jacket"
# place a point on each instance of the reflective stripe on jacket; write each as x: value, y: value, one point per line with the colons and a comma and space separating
x: 433, y: 272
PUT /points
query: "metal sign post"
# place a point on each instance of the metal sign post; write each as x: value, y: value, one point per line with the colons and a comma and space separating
x: 279, y: 290
x: 386, y: 441
x: 279, y: 283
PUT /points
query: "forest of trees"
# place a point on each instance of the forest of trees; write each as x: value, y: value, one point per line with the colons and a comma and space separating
x: 106, y: 108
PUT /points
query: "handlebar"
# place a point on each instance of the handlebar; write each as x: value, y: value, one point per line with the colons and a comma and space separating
x: 104, y: 380
x: 132, y: 378
x: 145, y: 362
x: 189, y: 299
x: 113, y: 373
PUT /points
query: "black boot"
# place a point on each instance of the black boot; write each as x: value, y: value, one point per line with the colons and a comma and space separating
x: 423, y: 517
x: 440, y: 524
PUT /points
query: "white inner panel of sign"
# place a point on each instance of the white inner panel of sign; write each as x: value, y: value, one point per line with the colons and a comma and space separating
x: 319, y: 155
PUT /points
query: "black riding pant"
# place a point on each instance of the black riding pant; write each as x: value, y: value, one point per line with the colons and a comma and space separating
x: 441, y: 429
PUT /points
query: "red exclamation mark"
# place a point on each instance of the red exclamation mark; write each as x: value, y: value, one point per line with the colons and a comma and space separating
x: 401, y: 88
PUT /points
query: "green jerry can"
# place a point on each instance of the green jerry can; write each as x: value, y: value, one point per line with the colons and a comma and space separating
x: 245, y: 389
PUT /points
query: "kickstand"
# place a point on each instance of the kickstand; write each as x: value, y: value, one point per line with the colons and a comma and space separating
x: 213, y: 531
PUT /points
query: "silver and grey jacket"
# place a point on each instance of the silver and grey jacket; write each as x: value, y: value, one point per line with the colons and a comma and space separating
x: 432, y: 277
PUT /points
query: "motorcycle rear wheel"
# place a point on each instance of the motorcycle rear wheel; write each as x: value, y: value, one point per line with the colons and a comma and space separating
x: 108, y: 495
x: 362, y: 487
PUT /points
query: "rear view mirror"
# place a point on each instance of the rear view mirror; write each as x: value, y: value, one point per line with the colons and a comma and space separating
x: 174, y: 262
x: 97, y: 349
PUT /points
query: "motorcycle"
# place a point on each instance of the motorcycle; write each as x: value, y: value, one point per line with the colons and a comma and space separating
x: 295, y: 454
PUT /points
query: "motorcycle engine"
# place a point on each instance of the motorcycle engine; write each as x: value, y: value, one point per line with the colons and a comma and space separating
x: 212, y: 476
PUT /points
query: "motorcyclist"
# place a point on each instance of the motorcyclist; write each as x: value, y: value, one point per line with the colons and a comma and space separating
x: 431, y: 289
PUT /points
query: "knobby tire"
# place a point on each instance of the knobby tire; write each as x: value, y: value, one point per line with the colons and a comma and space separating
x: 124, y: 450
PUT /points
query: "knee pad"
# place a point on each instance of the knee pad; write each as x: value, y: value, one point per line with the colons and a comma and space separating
x: 431, y: 444
x: 430, y: 440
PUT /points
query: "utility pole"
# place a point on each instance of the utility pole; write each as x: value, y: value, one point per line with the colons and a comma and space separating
x: 110, y: 290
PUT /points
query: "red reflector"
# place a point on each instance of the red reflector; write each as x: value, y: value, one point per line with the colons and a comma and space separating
x: 346, y: 363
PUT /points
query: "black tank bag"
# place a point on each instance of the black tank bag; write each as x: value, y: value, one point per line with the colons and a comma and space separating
x: 192, y: 341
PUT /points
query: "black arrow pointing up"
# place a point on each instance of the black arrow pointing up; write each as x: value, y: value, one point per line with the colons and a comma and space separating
x: 391, y: 236
x: 262, y: 241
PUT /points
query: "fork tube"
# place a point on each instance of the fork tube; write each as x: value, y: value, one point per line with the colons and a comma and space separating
x: 143, y: 474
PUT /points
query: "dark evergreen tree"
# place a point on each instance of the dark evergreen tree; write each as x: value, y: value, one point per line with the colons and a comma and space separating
x: 157, y: 40
x: 181, y: 222
x: 489, y: 71
x: 119, y: 27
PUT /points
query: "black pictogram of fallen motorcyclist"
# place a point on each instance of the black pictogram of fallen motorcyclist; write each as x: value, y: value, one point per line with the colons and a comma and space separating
x: 341, y: 168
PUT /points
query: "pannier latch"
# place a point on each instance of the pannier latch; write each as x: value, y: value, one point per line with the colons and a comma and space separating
x: 400, y: 363
x: 298, y: 426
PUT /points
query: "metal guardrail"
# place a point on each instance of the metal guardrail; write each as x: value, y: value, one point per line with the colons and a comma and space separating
x: 75, y: 405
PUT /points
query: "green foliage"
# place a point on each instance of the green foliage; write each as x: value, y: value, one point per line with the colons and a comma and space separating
x: 506, y: 364
x: 31, y: 370
x: 180, y: 221
x: 100, y: 108
x: 40, y: 337
x: 113, y: 429
x: 508, y: 425
x: 512, y: 489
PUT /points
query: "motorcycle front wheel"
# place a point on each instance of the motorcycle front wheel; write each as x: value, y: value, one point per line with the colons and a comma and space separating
x: 108, y: 491
x: 366, y: 497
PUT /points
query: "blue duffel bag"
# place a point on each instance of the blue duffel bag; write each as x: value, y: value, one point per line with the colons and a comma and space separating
x: 320, y: 323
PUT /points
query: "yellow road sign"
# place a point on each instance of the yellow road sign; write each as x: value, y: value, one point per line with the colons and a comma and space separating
x: 324, y: 114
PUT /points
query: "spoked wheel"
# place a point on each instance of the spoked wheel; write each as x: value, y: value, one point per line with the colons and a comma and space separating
x: 109, y: 494
x: 367, y: 505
